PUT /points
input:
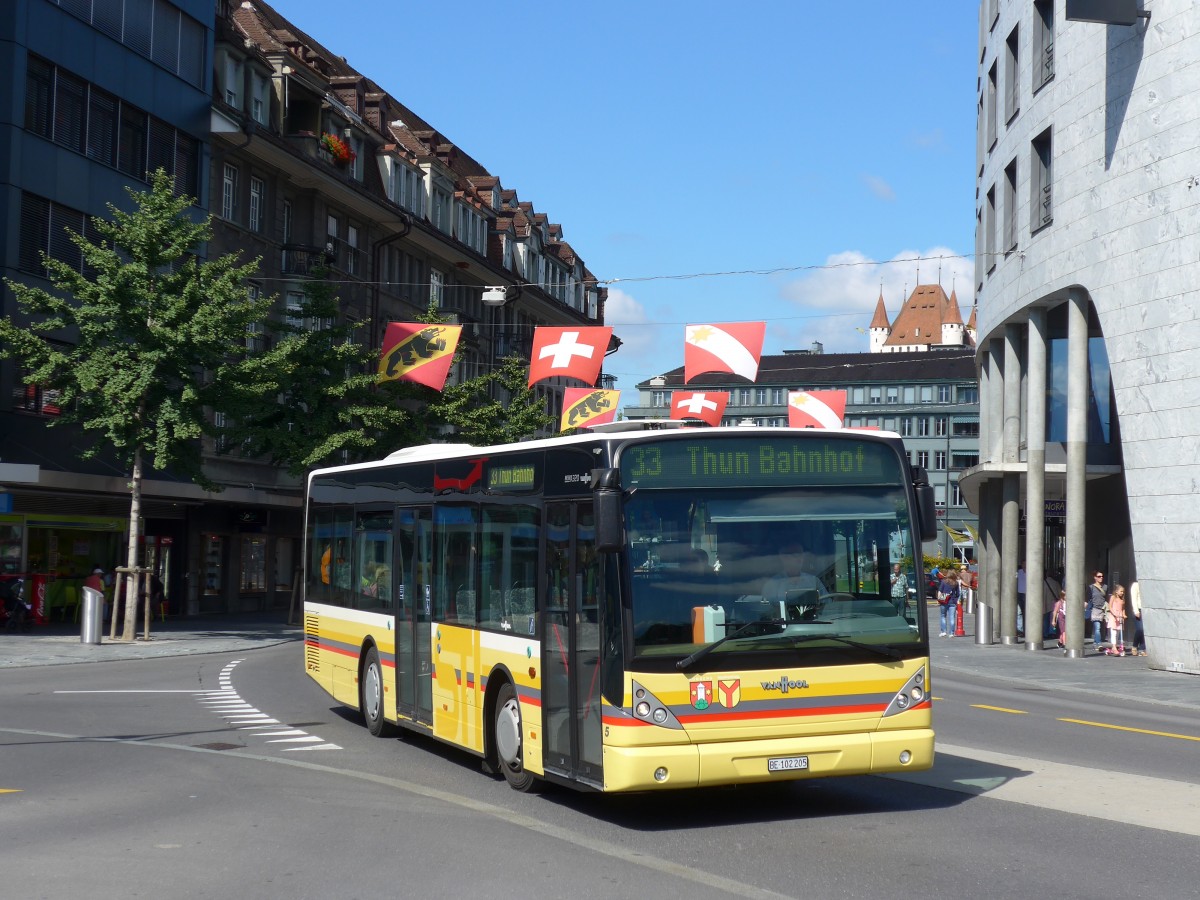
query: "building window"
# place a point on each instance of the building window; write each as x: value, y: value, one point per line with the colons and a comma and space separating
x: 889, y: 424
x: 1041, y: 195
x: 760, y: 396
x: 940, y: 426
x: 989, y: 229
x: 992, y: 102
x: 743, y: 396
x: 906, y: 427
x: 956, y: 497
x: 229, y: 180
x: 255, y: 334
x: 966, y: 429
x: 859, y: 396
x: 1043, y: 42
x: 875, y: 396
x: 258, y: 190
x: 927, y: 393
x: 922, y: 426
x: 939, y: 460
x: 660, y: 399
x: 943, y: 393
x: 923, y: 459
x: 260, y: 98
x: 1010, y: 207
x: 1012, y: 78
x: 33, y: 398
x: 968, y: 393
x: 893, y: 395
x: 910, y: 394
x: 352, y: 249
x: 436, y: 281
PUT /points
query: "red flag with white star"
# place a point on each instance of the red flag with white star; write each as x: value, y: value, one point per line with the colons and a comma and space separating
x: 707, y: 406
x: 734, y: 347
x: 584, y: 407
x: 816, y: 409
x: 570, y: 352
x: 415, y: 351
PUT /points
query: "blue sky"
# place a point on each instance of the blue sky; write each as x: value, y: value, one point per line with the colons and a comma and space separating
x: 826, y: 140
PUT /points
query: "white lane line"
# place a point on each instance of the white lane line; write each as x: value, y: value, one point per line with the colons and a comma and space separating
x: 317, y: 747
x: 307, y: 739
x: 127, y: 692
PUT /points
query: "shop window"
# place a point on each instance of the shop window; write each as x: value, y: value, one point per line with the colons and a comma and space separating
x: 253, y: 576
x: 212, y: 562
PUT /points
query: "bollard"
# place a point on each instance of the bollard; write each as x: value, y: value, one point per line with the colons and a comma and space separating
x: 958, y: 621
x: 983, y: 623
x: 92, y: 616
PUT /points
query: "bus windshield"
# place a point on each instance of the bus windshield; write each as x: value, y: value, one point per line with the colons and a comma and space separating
x: 767, y: 568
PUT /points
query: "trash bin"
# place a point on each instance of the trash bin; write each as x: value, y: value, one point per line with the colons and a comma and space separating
x: 983, y: 623
x: 92, y: 616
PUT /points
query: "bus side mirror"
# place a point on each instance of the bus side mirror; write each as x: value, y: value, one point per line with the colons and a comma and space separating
x: 926, y: 509
x: 610, y: 510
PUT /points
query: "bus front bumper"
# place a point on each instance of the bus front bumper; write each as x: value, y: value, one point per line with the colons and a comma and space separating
x: 743, y: 762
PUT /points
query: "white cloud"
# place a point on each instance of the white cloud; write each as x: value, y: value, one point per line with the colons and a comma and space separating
x: 834, y: 301
x: 647, y: 348
x: 879, y: 187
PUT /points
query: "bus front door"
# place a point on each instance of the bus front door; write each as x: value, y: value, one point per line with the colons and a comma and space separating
x: 414, y: 612
x: 571, y: 644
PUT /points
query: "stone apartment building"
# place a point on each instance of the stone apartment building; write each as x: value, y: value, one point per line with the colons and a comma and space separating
x: 235, y: 101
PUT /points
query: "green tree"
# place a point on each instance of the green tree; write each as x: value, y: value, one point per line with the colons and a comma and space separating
x: 159, y: 341
x: 329, y: 400
x: 479, y: 419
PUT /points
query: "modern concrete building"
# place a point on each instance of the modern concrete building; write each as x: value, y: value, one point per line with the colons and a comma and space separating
x: 929, y: 397
x: 1087, y: 220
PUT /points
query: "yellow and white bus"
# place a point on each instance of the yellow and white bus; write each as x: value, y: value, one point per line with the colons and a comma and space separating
x: 631, y: 610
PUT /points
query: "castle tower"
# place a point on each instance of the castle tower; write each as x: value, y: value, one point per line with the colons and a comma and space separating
x: 952, y: 323
x: 880, y: 327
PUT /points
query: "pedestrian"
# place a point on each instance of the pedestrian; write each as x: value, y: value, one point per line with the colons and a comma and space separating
x: 1139, y: 634
x: 948, y: 603
x: 1053, y: 585
x: 1115, y: 619
x: 1059, y: 617
x: 899, y: 587
x: 1095, y: 607
x: 1021, y: 584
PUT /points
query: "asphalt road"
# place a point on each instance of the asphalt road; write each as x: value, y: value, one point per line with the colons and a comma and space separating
x: 231, y: 775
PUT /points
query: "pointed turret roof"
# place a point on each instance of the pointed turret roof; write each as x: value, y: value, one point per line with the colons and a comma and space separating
x: 953, y: 316
x: 971, y: 321
x: 881, y: 318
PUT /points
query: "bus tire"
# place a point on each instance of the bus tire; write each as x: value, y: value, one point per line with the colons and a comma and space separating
x: 370, y: 696
x: 507, y: 735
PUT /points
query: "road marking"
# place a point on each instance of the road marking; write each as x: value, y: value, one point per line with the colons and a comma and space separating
x: 1159, y: 803
x: 1181, y: 737
x: 1015, y: 712
x: 128, y: 692
x: 10, y: 790
x: 245, y: 717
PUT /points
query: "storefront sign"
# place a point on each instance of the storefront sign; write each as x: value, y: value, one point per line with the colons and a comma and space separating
x: 1056, y: 509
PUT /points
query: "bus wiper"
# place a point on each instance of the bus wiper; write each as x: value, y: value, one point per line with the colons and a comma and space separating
x: 881, y: 649
x: 693, y: 658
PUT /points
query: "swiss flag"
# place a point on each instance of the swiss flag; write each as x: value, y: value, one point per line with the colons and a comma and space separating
x: 415, y: 351
x: 730, y: 347
x: 816, y: 409
x: 708, y: 406
x: 570, y: 352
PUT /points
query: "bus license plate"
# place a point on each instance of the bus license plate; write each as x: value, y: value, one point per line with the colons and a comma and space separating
x: 787, y: 763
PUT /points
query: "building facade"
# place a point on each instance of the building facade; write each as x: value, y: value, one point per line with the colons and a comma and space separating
x: 1089, y: 320
x: 250, y: 114
x: 928, y: 397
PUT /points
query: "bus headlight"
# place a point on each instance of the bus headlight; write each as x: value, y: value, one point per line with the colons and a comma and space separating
x: 914, y: 693
x: 642, y: 710
x: 651, y: 710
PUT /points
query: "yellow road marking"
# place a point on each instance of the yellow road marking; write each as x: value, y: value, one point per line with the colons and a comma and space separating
x: 1015, y: 712
x: 10, y: 790
x: 1182, y: 737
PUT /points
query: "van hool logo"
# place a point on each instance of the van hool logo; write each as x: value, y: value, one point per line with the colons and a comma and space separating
x: 784, y: 684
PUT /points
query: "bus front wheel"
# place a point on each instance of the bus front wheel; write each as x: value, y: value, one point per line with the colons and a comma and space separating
x: 507, y: 732
x: 370, y: 699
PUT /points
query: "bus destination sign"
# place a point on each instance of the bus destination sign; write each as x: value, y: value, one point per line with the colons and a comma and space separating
x: 737, y: 462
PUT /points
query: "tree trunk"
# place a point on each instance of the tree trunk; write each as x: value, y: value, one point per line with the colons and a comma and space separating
x: 131, y: 559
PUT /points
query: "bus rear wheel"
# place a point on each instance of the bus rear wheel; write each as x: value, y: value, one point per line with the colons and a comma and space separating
x: 370, y: 696
x: 510, y: 750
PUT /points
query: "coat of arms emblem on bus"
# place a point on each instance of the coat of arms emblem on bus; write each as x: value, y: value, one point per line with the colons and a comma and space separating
x: 701, y: 694
x: 729, y: 692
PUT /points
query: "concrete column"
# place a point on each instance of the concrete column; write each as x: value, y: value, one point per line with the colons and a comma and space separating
x: 1077, y: 413
x: 989, y: 524
x: 1035, y: 479
x: 1010, y: 512
x: 994, y: 407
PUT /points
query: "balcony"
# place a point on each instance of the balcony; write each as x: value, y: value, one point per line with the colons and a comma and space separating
x: 303, y: 261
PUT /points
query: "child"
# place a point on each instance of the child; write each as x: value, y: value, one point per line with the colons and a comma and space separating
x: 1116, y: 622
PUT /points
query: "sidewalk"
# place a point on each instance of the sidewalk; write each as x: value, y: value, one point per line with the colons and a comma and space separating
x: 1094, y: 674
x: 1129, y: 678
x: 57, y: 644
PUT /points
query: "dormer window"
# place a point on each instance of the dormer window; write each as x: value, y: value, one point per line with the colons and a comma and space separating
x: 232, y: 77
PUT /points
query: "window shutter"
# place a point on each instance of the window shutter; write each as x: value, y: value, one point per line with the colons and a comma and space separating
x: 162, y: 146
x: 39, y: 97
x: 102, y: 127
x: 70, y: 99
x: 35, y: 232
x: 166, y: 35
